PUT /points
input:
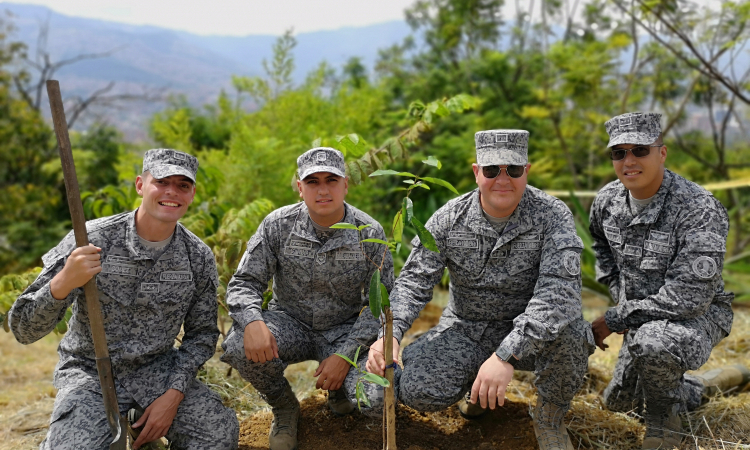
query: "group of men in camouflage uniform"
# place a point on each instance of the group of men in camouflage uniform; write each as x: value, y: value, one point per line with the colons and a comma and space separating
x: 513, y: 256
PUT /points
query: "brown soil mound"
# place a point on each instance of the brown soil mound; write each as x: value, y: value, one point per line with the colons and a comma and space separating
x: 319, y: 429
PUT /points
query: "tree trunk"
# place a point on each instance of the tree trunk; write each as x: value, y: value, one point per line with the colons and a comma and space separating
x: 389, y: 409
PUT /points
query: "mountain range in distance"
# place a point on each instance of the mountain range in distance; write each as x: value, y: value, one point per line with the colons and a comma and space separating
x: 148, y: 59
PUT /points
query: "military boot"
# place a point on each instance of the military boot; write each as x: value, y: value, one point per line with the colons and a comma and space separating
x: 551, y: 433
x: 339, y: 403
x: 470, y: 410
x: 285, y: 409
x: 663, y: 427
x: 724, y: 379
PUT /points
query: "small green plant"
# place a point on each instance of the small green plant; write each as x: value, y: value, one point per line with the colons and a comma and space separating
x: 380, y: 304
x: 364, y: 376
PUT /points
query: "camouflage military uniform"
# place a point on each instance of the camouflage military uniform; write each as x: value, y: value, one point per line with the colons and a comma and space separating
x: 320, y: 296
x: 663, y: 268
x: 519, y: 291
x: 144, y: 305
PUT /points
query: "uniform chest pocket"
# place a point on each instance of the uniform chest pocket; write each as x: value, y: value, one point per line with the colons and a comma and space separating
x: 523, y: 269
x: 654, y: 264
x: 118, y: 282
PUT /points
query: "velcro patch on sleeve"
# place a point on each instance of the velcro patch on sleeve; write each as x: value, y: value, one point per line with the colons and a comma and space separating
x: 705, y: 241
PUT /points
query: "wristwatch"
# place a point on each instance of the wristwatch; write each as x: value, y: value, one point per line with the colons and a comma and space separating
x: 504, y: 353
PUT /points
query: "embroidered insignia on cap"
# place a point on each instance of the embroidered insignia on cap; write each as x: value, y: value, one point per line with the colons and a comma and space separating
x: 179, y: 156
x: 704, y: 267
x: 320, y: 156
x: 500, y: 137
x: 572, y: 263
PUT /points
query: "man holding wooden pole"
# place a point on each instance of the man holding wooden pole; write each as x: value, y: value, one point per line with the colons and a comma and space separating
x: 153, y: 278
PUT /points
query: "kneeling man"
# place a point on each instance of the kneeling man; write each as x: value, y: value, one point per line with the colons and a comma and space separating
x: 154, y: 279
x: 321, y: 282
x: 515, y: 297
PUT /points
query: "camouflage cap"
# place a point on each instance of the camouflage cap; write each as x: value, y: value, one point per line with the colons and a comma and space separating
x: 502, y: 147
x: 321, y: 159
x: 638, y: 128
x: 164, y: 162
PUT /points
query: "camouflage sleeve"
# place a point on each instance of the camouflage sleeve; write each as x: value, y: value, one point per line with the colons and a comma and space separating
x: 557, y: 294
x: 201, y: 331
x: 421, y: 272
x: 365, y: 329
x: 692, y: 277
x: 35, y: 313
x: 250, y: 281
x: 607, y: 271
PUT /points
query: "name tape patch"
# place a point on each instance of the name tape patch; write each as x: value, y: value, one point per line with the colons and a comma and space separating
x: 301, y: 252
x: 526, y: 245
x: 150, y: 288
x: 632, y: 250
x: 120, y: 269
x: 657, y: 247
x: 616, y: 238
x: 300, y: 244
x: 118, y: 259
x: 649, y: 264
x: 348, y: 255
x: 180, y: 275
x: 463, y: 243
x: 613, y: 230
x: 530, y: 237
x: 461, y: 235
x: 659, y: 236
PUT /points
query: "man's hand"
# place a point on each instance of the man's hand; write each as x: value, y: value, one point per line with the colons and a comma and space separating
x: 260, y: 345
x: 601, y: 331
x: 158, y: 417
x: 331, y: 373
x: 376, y: 357
x: 82, y: 264
x: 492, y: 380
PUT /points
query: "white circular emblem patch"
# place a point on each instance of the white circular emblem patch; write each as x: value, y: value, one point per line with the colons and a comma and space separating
x: 572, y: 263
x: 704, y: 267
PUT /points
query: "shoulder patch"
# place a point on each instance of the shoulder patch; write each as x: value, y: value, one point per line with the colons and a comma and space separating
x: 704, y: 267
x: 572, y: 262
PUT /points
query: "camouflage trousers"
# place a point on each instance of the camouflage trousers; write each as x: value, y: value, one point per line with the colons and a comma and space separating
x: 79, y: 420
x: 296, y: 344
x: 653, y: 360
x: 441, y: 366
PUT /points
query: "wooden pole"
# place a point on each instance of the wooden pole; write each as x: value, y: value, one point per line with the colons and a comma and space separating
x: 390, y: 400
x: 117, y: 423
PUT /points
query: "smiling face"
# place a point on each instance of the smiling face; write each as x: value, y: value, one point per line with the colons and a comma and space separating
x: 500, y: 195
x: 165, y: 200
x: 324, y: 194
x: 641, y: 176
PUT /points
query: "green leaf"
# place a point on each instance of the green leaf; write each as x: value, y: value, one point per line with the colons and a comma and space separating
x: 440, y: 182
x: 343, y: 225
x: 425, y: 236
x: 385, y: 301
x: 377, y: 379
x: 355, y: 173
x: 316, y: 142
x: 362, y: 227
x: 398, y: 227
x: 360, y: 394
x: 432, y: 161
x: 420, y: 185
x: 407, y: 209
x: 379, y: 241
x: 356, y: 354
x: 375, y: 300
x: 380, y: 172
x: 345, y: 358
x: 408, y: 181
x: 461, y: 102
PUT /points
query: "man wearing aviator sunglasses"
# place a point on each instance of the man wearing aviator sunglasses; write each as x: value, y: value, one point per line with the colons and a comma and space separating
x: 660, y: 241
x: 515, y: 297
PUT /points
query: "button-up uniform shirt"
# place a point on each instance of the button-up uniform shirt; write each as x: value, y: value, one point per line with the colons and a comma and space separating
x: 325, y: 286
x: 666, y: 262
x: 144, y: 304
x: 519, y: 288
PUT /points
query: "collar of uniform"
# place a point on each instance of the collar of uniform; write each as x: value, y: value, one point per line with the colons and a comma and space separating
x: 343, y: 238
x: 475, y: 219
x: 137, y: 250
x: 651, y: 213
x: 303, y: 228
x: 519, y: 222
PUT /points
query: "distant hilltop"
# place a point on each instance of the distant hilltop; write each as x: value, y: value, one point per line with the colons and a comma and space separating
x: 199, y: 67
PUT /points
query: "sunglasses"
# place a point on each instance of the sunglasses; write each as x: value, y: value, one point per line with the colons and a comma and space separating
x: 494, y: 171
x: 617, y: 154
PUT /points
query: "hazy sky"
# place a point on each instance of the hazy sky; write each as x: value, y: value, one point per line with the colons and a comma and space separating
x: 234, y: 17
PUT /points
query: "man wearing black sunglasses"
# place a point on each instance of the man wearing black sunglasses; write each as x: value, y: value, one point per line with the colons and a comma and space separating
x: 660, y: 242
x: 515, y: 297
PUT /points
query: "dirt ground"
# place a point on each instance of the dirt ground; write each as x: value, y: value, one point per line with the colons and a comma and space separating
x: 27, y: 395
